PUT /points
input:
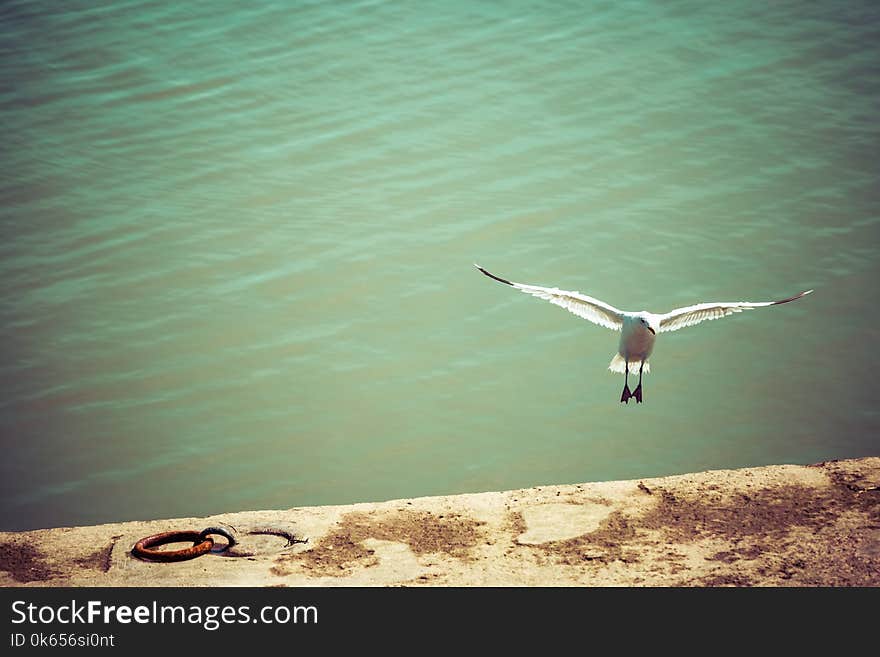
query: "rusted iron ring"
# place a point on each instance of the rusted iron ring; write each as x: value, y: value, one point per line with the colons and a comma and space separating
x: 201, y: 545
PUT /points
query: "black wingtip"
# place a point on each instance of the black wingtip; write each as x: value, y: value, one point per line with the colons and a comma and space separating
x: 500, y: 280
x: 794, y: 298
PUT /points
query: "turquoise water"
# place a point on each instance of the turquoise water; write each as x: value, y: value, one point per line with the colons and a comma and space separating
x: 237, y: 246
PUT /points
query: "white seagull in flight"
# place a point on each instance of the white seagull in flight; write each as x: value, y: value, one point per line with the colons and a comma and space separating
x: 638, y: 330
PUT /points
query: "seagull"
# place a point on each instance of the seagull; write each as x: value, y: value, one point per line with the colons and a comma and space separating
x: 638, y: 330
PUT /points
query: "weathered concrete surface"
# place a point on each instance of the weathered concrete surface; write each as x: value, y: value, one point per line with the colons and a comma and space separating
x: 774, y: 526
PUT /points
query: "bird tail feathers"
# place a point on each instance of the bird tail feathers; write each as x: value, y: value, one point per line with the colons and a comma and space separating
x: 618, y: 365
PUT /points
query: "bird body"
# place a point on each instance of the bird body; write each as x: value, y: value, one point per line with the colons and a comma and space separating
x: 636, y: 342
x: 638, y: 330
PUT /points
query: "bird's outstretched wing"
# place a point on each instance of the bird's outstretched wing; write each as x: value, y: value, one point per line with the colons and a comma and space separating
x: 690, y: 315
x: 581, y: 305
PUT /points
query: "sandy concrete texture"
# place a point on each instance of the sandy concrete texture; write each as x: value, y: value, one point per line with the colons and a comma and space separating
x: 782, y: 525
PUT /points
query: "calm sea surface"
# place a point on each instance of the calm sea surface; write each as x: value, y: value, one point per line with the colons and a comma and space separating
x: 236, y: 246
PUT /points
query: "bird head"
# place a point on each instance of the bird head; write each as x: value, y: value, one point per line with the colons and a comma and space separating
x: 650, y: 322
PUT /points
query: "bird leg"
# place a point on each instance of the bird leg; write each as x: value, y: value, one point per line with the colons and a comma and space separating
x: 626, y: 393
x: 637, y: 393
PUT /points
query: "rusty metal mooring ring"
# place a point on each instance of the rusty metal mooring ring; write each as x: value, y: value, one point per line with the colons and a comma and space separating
x: 201, y: 545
